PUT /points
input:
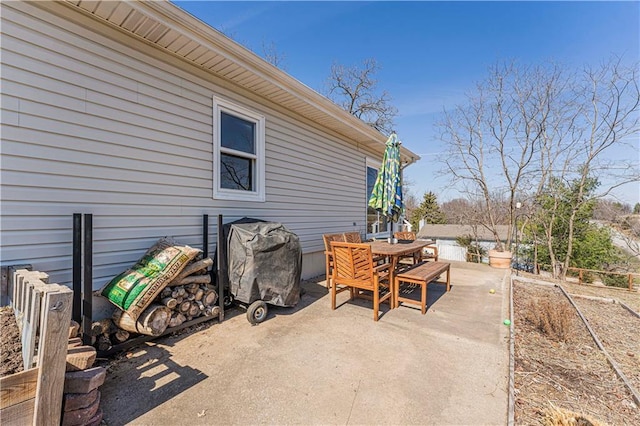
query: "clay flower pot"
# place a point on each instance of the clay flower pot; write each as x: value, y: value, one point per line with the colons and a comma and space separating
x: 500, y: 259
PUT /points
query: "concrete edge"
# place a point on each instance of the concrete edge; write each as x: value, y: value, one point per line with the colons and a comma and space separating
x: 512, y: 359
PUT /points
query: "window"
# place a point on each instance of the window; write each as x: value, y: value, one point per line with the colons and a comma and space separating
x: 376, y: 223
x: 238, y: 152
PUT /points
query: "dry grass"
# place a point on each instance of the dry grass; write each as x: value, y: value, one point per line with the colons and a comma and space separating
x: 554, y: 319
x: 572, y: 375
x: 555, y: 416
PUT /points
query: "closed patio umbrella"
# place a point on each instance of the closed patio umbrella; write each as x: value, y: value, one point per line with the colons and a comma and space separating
x: 386, y: 196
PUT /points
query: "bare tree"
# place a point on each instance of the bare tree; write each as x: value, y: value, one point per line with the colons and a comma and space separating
x: 526, y: 131
x: 355, y: 90
x: 271, y: 54
x: 599, y: 115
x: 493, y: 138
x: 459, y: 211
x: 609, y: 210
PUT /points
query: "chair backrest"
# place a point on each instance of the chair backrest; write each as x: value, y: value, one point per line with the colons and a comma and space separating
x: 327, y: 238
x: 353, y: 264
x: 352, y: 237
x: 405, y: 235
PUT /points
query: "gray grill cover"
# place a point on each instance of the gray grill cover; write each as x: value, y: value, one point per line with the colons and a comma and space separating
x: 264, y: 263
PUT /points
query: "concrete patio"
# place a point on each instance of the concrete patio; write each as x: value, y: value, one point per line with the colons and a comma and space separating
x: 312, y: 365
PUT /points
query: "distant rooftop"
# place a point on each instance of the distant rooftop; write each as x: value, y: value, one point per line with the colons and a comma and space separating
x: 451, y: 232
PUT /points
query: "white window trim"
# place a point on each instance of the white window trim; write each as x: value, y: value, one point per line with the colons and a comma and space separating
x: 258, y: 194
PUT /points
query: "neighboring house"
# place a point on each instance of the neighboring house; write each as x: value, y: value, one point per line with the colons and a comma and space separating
x: 148, y: 118
x: 445, y: 237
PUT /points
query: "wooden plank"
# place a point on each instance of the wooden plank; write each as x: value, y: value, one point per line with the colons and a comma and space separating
x: 30, y: 322
x: 53, y: 355
x: 18, y: 414
x: 17, y: 388
x: 18, y: 306
x: 424, y: 271
x: 34, y: 286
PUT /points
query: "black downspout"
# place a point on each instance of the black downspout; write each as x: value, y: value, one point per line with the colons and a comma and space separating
x: 76, y: 311
x: 220, y: 246
x: 87, y: 293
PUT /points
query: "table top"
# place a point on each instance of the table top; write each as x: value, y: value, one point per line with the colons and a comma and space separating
x: 382, y: 247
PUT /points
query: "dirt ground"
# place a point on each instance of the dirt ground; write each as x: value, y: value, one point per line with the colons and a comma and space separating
x: 565, y: 369
x: 10, y: 346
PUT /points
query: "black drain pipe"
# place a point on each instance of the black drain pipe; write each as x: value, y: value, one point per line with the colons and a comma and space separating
x: 76, y: 312
x: 87, y: 293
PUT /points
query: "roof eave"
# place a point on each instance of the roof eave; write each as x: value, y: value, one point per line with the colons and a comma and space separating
x: 180, y: 23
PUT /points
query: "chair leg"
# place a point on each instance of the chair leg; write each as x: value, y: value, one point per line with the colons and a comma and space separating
x: 328, y: 275
x: 376, y: 302
x: 396, y: 291
x: 333, y: 296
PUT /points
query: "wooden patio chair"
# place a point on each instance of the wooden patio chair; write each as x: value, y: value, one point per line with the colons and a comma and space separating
x: 353, y: 269
x: 405, y: 235
x: 410, y: 236
x: 352, y: 237
x: 327, y: 238
x: 430, y: 253
x: 355, y: 237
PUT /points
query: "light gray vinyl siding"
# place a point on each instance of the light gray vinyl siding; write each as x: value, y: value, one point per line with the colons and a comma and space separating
x: 91, y: 124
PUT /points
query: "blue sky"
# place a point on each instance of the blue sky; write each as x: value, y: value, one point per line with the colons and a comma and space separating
x: 430, y: 52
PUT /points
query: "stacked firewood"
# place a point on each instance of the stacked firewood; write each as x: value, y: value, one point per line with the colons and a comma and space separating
x: 188, y: 296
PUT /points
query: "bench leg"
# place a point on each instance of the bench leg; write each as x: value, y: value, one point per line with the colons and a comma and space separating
x: 448, y: 279
x: 423, y: 295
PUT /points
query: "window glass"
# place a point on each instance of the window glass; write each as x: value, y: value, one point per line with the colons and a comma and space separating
x: 376, y: 223
x: 236, y: 172
x: 237, y: 134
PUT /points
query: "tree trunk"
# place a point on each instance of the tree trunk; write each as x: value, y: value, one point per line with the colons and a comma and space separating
x: 153, y: 321
x: 120, y: 336
x: 170, y: 302
x: 177, y: 319
x: 210, y: 297
x: 195, y: 279
x: 184, y: 307
x: 198, y: 294
x: 104, y: 326
x: 192, y: 268
x: 103, y: 343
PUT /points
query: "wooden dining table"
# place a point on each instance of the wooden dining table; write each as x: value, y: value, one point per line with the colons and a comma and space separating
x: 394, y: 252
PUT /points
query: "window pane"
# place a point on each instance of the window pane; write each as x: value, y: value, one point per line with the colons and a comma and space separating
x: 372, y: 174
x: 237, y: 134
x: 236, y: 172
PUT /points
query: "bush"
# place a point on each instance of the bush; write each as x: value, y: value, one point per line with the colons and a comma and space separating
x: 554, y: 318
x: 475, y: 252
x: 615, y: 280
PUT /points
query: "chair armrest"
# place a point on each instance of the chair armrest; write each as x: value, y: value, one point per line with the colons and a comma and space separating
x: 381, y: 268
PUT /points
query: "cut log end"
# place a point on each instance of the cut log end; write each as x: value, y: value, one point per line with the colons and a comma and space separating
x: 153, y: 321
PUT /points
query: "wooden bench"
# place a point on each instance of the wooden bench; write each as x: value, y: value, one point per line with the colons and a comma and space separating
x: 422, y: 273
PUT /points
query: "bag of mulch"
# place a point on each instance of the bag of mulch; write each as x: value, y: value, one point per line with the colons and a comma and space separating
x: 135, y: 289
